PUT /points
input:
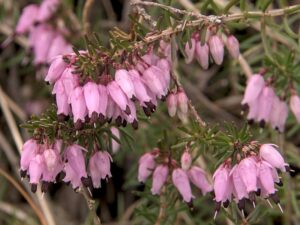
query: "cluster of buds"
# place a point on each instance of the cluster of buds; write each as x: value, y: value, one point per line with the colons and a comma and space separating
x: 109, y: 97
x: 178, y: 103
x: 43, y: 162
x: 264, y: 105
x: 255, y: 174
x: 45, y: 40
x: 213, y: 45
x: 163, y: 167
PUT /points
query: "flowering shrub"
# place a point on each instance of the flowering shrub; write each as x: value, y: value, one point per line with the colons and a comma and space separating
x: 140, y: 77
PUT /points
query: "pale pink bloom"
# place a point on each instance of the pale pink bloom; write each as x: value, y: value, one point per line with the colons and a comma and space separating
x: 248, y: 173
x: 36, y: 168
x: 279, y: 114
x: 164, y: 65
x: 216, y: 48
x: 153, y: 82
x: 255, y: 85
x: 118, y: 96
x: 233, y: 46
x: 172, y: 104
x: 240, y: 189
x: 61, y: 97
x: 181, y: 182
x: 103, y: 98
x: 99, y: 167
x: 47, y: 9
x: 42, y: 43
x: 123, y: 79
x: 74, y: 165
x: 110, y: 108
x: 78, y: 104
x: 190, y: 50
x: 27, y: 18
x: 160, y: 176
x: 265, y: 102
x: 69, y: 80
x: 186, y: 160
x: 222, y: 184
x: 53, y: 165
x: 57, y: 67
x: 253, y: 111
x: 115, y: 145
x: 265, y: 176
x: 198, y: 177
x: 270, y: 154
x: 182, y: 101
x: 139, y: 87
x: 202, y: 55
x: 295, y: 106
x: 58, y: 46
x: 29, y: 150
x: 92, y: 98
x: 146, y: 166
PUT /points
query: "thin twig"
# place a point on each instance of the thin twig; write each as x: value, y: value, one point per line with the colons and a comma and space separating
x: 91, y: 204
x: 86, y: 16
x: 25, y: 195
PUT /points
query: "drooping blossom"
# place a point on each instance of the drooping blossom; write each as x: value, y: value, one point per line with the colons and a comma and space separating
x: 181, y: 182
x: 159, y: 178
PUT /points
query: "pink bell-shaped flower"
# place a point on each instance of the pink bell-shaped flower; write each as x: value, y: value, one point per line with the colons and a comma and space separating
x: 36, y: 168
x: 27, y: 18
x: 198, y: 177
x: 190, y: 50
x: 63, y: 106
x: 265, y: 102
x: 153, y: 82
x: 123, y: 79
x: 202, y: 55
x: 53, y: 165
x: 279, y: 114
x: 160, y: 176
x: 139, y: 87
x: 233, y: 46
x: 265, y: 176
x: 29, y: 150
x: 103, y: 100
x: 69, y: 80
x: 270, y: 154
x: 254, y: 88
x: 92, y: 99
x: 57, y: 67
x: 181, y: 182
x: 47, y: 9
x: 146, y: 166
x: 59, y: 46
x: 78, y: 104
x: 216, y: 48
x: 118, y: 96
x: 248, y: 173
x: 99, y: 167
x: 240, y: 190
x: 222, y: 184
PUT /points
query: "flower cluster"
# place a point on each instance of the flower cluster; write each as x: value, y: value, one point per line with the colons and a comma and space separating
x: 178, y: 103
x: 253, y: 175
x: 45, y: 40
x: 264, y: 105
x: 47, y: 163
x: 109, y: 97
x: 181, y: 177
x: 214, y: 46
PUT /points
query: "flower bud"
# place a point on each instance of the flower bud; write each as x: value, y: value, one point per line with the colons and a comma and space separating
x: 202, y: 55
x: 190, y: 50
x: 186, y: 160
x: 295, y: 106
x: 172, y: 104
x: 233, y: 46
x: 216, y: 48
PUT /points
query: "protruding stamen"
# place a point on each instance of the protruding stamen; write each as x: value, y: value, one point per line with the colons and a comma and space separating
x: 279, y: 206
x: 215, y: 216
x: 269, y: 203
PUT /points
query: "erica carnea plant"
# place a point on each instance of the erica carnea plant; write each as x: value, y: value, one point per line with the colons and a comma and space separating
x: 101, y: 87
